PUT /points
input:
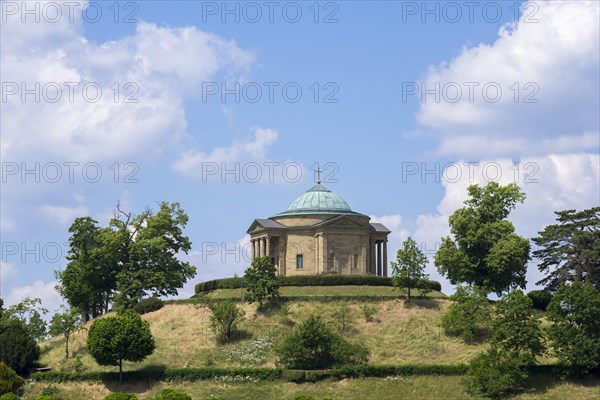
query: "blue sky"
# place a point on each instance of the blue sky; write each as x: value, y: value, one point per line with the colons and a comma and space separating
x: 379, y: 137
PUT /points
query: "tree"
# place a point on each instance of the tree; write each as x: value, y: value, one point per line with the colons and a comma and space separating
x: 133, y: 256
x: 126, y: 337
x: 345, y: 317
x: 575, y: 331
x: 260, y: 280
x: 29, y: 311
x: 10, y: 382
x: 515, y: 328
x: 485, y: 251
x: 469, y: 315
x: 224, y: 319
x: 65, y: 323
x: 89, y: 279
x: 409, y: 269
x: 146, y: 247
x: 314, y: 345
x: 18, y: 348
x: 570, y: 250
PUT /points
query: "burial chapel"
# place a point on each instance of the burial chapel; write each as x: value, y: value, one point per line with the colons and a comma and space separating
x: 320, y: 234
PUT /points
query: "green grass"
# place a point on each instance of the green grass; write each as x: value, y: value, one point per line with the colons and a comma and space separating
x: 391, y: 388
x: 314, y: 291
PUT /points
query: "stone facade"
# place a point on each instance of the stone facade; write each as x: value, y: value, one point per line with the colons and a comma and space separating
x: 321, y: 237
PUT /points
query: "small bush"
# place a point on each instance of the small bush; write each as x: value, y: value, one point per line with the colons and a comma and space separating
x: 51, y: 391
x: 148, y: 305
x: 171, y: 394
x: 344, y: 317
x: 495, y: 374
x: 313, y: 345
x: 369, y: 312
x: 224, y: 319
x: 9, y: 396
x: 121, y: 396
x: 43, y: 397
x: 10, y: 382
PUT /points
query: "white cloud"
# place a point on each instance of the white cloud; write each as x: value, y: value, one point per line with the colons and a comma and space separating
x: 64, y: 216
x: 162, y: 65
x: 45, y: 291
x: 7, y: 271
x: 251, y: 150
x: 559, y: 56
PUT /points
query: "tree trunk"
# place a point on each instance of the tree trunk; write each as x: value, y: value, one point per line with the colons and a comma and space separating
x: 67, y: 346
x: 120, y: 372
x: 408, y: 294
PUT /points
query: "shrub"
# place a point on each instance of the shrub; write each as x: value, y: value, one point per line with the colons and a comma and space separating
x: 121, y: 396
x: 314, y: 346
x: 369, y: 312
x: 540, y: 299
x: 18, y: 349
x: 495, y: 374
x: 224, y: 319
x: 171, y: 394
x: 51, y: 391
x: 344, y: 317
x: 43, y: 397
x: 10, y: 382
x: 469, y: 315
x: 148, y: 305
x: 9, y: 396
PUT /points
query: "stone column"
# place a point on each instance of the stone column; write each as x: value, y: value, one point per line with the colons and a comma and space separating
x: 379, y: 266
x: 371, y: 256
x: 385, y: 260
x: 317, y: 254
x: 253, y: 242
x: 267, y: 247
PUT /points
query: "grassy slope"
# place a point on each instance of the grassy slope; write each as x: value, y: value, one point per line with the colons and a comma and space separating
x: 399, y: 334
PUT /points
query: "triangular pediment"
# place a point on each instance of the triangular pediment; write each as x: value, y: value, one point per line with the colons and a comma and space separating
x: 343, y: 221
x: 262, y: 224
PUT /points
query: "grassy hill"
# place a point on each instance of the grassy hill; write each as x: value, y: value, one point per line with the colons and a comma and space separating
x: 399, y: 334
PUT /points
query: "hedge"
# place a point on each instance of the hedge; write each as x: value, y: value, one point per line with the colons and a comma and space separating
x: 309, y: 280
x: 271, y: 374
x: 382, y: 371
x: 159, y: 374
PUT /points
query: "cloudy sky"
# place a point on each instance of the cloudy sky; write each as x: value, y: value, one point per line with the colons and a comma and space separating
x: 228, y: 108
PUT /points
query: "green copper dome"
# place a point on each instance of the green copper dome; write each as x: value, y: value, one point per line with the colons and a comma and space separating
x: 318, y: 200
